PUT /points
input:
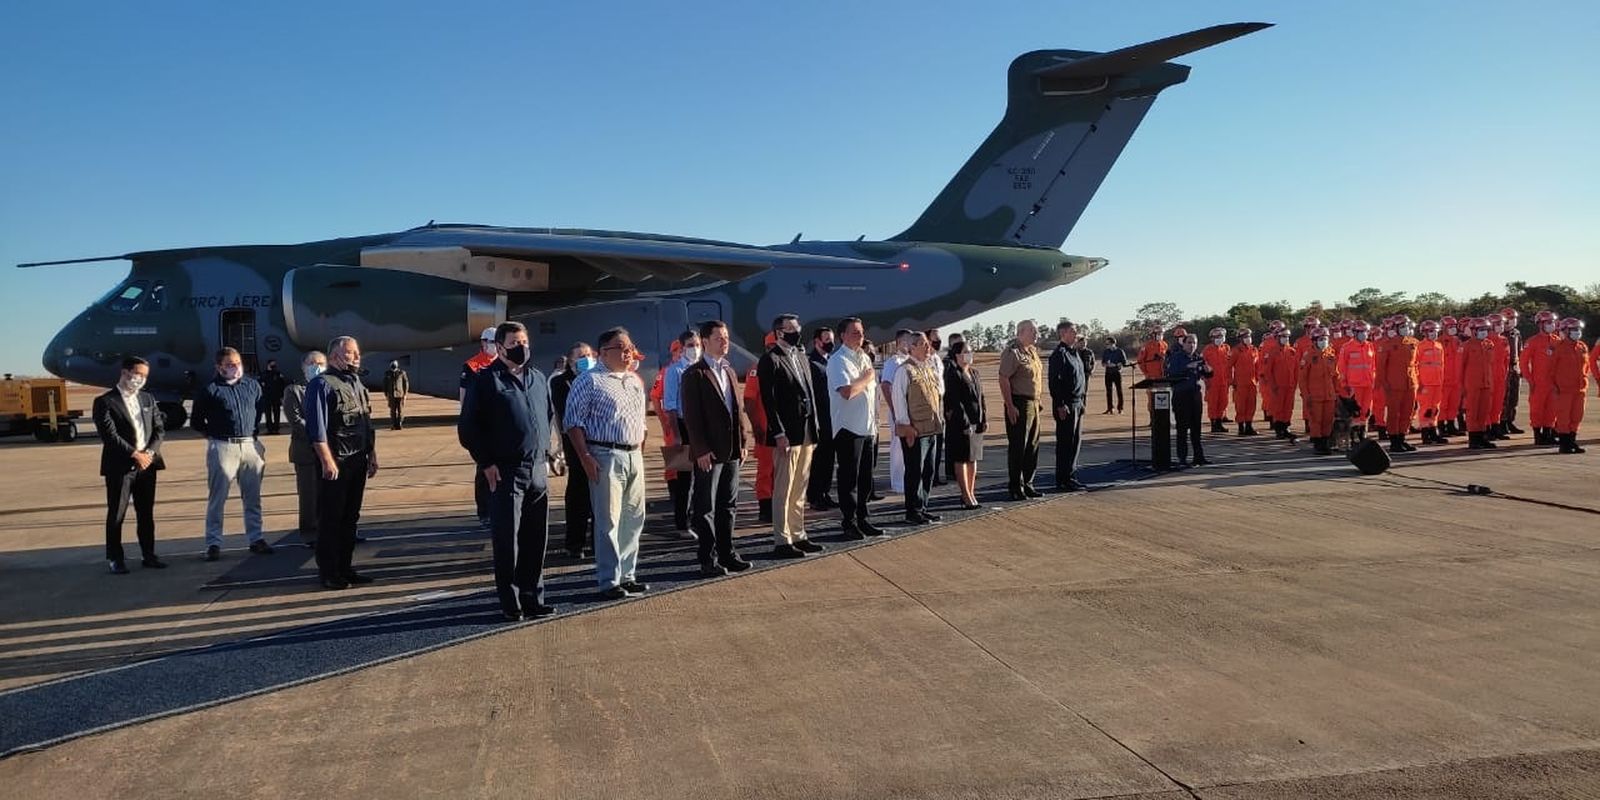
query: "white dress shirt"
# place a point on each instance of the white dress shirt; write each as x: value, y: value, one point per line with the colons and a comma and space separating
x: 720, y: 370
x: 902, y: 387
x: 130, y: 401
x: 858, y: 414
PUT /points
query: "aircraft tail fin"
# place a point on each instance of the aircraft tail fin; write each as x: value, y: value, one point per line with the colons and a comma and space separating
x: 1069, y: 113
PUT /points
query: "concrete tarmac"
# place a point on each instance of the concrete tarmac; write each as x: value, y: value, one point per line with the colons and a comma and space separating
x: 1275, y: 626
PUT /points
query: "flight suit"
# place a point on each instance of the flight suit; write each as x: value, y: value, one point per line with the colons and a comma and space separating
x: 1380, y: 398
x: 1536, y: 357
x: 1281, y: 376
x: 1569, y: 370
x: 1245, y: 368
x: 1398, y: 368
x: 1357, y: 375
x: 1268, y: 399
x: 1430, y: 386
x: 1302, y: 346
x: 758, y: 425
x: 1319, y: 382
x: 1450, y: 391
x: 1152, y: 364
x: 1478, y: 366
x: 1220, y: 358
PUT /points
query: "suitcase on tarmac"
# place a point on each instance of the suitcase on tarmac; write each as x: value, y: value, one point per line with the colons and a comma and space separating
x: 1369, y: 457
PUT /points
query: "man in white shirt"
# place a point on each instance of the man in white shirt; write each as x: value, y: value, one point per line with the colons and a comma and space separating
x: 853, y: 382
x: 918, y: 418
x: 891, y: 366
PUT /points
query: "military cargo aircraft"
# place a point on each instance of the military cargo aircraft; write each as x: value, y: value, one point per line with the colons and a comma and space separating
x: 421, y: 296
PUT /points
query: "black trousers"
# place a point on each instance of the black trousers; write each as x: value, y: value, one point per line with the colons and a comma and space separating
x: 939, y: 457
x: 1186, y: 411
x: 716, y: 491
x: 1069, y: 443
x: 857, y: 457
x: 338, y: 511
x: 821, y: 480
x: 681, y: 489
x: 519, y: 525
x: 307, y: 479
x: 271, y: 413
x: 480, y: 493
x: 1022, y: 445
x: 579, y: 513
x: 921, y: 461
x: 1114, y: 382
x: 138, y: 487
x: 1508, y: 413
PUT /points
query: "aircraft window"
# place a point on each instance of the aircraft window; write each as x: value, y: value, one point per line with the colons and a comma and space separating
x: 128, y: 299
x: 158, y: 297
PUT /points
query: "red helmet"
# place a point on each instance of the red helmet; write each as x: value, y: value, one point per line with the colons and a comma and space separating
x: 1179, y: 332
x: 1360, y: 326
x: 1311, y: 322
x: 1429, y: 326
x: 1571, y: 324
x: 1544, y: 316
x: 1319, y: 332
x: 1478, y: 323
x: 1508, y: 312
x: 1448, y: 322
x: 1401, y: 320
x: 1276, y: 325
x: 1219, y: 331
x: 1243, y: 333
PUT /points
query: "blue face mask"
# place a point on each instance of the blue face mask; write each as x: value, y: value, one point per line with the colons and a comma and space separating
x: 312, y: 371
x: 586, y: 363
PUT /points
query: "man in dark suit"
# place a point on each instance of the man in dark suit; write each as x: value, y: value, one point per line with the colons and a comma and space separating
x: 272, y: 385
x: 338, y: 419
x: 1069, y: 384
x: 505, y: 425
x: 788, y: 398
x: 710, y: 406
x: 821, y: 458
x: 130, y: 430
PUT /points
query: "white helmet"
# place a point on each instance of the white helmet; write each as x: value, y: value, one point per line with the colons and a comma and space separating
x: 488, y: 335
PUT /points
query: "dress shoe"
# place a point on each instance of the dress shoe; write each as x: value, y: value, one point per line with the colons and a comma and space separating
x: 869, y: 529
x: 356, y: 579
x: 929, y: 517
x: 152, y: 562
x: 1202, y: 461
x: 511, y: 615
x: 875, y: 496
x: 1016, y: 497
x: 537, y: 610
x: 971, y: 506
x: 1031, y: 493
x: 710, y: 569
x: 261, y: 548
x: 616, y: 593
x: 1511, y: 427
x: 787, y: 551
x: 1107, y: 411
x: 118, y: 567
x: 915, y: 519
x: 823, y: 503
x: 213, y: 553
x: 734, y: 564
x: 335, y: 583
x: 635, y: 587
x: 853, y: 535
x: 807, y: 546
x: 1074, y: 486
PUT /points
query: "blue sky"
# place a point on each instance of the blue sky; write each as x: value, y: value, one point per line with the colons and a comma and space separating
x: 1413, y: 146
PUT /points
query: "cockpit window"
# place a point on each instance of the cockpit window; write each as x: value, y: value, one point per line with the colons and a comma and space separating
x: 129, y: 297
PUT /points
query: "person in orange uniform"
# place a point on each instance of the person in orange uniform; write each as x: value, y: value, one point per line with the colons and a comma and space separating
x: 1478, y: 364
x: 1570, y: 369
x: 1382, y: 338
x: 1358, y: 371
x: 677, y: 483
x: 1302, y: 345
x: 1398, y: 370
x: 1219, y: 357
x: 1430, y: 383
x: 1269, y: 346
x: 1245, y: 367
x: 1319, y: 385
x: 1280, y: 377
x: 1152, y: 362
x: 758, y: 428
x: 1450, y: 395
x: 1534, y: 367
x: 1502, y: 360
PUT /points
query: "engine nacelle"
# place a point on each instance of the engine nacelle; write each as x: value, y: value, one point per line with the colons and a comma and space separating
x: 385, y: 309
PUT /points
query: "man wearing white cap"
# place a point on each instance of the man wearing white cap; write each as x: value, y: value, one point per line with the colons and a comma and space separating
x: 486, y: 355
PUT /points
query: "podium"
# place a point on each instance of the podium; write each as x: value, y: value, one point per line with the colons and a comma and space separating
x: 1159, y: 391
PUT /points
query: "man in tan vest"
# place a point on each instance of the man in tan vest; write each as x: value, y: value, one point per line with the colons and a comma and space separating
x: 918, y: 419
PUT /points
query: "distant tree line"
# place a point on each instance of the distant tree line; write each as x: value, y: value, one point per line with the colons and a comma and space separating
x: 1369, y: 304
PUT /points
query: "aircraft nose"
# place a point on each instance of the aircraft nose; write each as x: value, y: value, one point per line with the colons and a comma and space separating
x: 60, y: 353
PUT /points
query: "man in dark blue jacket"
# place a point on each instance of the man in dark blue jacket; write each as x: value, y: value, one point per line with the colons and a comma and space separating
x: 1068, y: 390
x: 505, y: 425
x: 1186, y: 363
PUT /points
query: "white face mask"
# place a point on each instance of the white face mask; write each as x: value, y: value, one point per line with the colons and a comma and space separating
x: 133, y: 383
x: 231, y: 374
x: 966, y: 358
x: 1405, y: 330
x: 1433, y: 336
x: 1548, y: 327
x: 1575, y: 335
x: 1481, y: 334
x: 1283, y: 340
x: 1216, y: 340
x: 691, y: 354
x: 312, y: 371
x: 1320, y: 343
x: 1361, y: 336
x: 1452, y: 330
x: 491, y: 348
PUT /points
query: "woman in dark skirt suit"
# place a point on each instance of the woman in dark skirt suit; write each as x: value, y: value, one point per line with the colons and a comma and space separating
x: 965, y: 422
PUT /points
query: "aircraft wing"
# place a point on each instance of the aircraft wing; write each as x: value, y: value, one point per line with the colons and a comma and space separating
x: 520, y: 260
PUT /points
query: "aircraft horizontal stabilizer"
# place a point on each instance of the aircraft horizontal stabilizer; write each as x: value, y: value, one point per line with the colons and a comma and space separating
x: 1136, y: 57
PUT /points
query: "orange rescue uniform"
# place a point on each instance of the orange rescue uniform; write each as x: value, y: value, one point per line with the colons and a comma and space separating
x: 1478, y: 366
x: 1245, y: 366
x: 1538, y: 354
x: 1398, y: 368
x: 1219, y: 357
x: 1570, y: 368
x: 1450, y: 392
x: 1280, y: 375
x: 1430, y: 382
x: 1153, y: 359
x: 1357, y: 375
x: 1319, y: 384
x: 758, y: 426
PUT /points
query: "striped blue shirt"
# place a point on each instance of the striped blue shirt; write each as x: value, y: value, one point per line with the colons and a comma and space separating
x: 672, y: 385
x: 608, y: 406
x: 226, y: 411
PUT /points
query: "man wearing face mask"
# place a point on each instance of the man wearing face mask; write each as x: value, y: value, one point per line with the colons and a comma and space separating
x: 307, y: 470
x: 1513, y: 380
x: 788, y: 398
x: 918, y: 415
x: 1535, y: 360
x: 1398, y: 366
x: 1319, y: 372
x: 1478, y: 367
x: 1191, y: 370
x: 1022, y: 379
x: 1280, y: 377
x: 505, y: 423
x: 1570, y: 369
x: 1218, y: 357
x: 396, y: 385
x: 1502, y: 358
x: 690, y: 351
x: 1450, y: 392
x: 338, y: 414
x: 579, y: 514
x: 822, y: 458
x: 1269, y: 348
x: 1069, y: 388
x: 486, y: 355
x: 711, y: 411
x: 891, y: 365
x: 1358, y: 373
x: 225, y: 413
x: 940, y: 475
x: 131, y: 429
x: 1245, y: 366
x: 1430, y: 383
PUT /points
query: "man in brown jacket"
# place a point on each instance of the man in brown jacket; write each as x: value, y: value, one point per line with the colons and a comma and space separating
x: 710, y: 406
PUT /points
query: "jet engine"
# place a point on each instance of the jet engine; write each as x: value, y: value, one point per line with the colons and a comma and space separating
x: 385, y: 309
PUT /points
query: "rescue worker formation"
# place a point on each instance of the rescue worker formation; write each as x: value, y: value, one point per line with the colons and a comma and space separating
x: 1438, y: 379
